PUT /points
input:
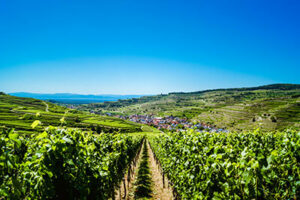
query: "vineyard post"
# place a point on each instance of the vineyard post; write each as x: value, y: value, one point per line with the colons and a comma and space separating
x: 129, y: 174
x: 113, y: 193
x: 120, y: 190
x: 124, y: 184
x: 163, y: 179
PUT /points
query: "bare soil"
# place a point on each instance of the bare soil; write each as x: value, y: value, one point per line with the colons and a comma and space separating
x: 160, y: 191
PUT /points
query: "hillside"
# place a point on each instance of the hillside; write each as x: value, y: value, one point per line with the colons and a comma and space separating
x: 19, y: 113
x: 270, y: 107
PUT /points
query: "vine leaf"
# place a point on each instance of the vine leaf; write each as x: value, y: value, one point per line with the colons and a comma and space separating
x: 36, y: 123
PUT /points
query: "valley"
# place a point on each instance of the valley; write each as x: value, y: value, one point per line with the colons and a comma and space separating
x: 271, y: 107
x: 156, y: 147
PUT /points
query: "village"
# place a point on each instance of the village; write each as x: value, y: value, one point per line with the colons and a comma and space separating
x: 169, y: 123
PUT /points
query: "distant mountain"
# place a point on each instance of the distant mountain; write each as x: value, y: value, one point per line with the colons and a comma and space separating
x: 69, y: 98
x: 278, y: 86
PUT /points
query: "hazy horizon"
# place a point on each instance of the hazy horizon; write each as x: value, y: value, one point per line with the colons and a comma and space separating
x: 70, y: 93
x: 86, y: 94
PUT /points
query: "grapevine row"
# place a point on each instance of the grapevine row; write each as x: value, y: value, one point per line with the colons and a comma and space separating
x: 249, y: 165
x: 63, y: 164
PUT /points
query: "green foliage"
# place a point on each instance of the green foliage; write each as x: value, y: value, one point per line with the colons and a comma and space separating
x: 20, y: 113
x: 35, y: 123
x: 12, y: 152
x: 27, y: 116
x: 232, y: 109
x: 63, y: 164
x: 251, y: 165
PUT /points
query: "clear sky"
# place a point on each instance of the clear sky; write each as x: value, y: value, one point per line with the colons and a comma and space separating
x: 147, y: 46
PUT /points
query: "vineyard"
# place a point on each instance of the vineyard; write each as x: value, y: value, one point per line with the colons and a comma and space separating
x: 270, y: 107
x: 250, y: 165
x: 71, y: 164
x: 19, y: 113
x: 63, y: 164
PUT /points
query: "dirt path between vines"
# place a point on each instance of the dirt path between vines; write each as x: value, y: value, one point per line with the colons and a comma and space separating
x: 159, y: 191
x: 120, y: 195
x: 131, y: 189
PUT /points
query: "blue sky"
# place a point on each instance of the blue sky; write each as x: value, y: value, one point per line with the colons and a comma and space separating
x: 147, y: 47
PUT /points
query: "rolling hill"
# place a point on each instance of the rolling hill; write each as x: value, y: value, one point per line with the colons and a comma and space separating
x: 269, y: 107
x: 19, y: 113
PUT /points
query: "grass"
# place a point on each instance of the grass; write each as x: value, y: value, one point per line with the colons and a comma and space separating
x: 147, y: 132
x: 110, y: 122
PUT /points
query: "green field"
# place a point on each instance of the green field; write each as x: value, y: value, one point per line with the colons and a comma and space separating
x: 271, y: 107
x: 19, y: 113
x: 87, y: 153
x: 73, y: 154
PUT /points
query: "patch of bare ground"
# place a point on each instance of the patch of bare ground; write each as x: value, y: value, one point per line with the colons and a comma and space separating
x: 126, y: 188
x: 161, y: 189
